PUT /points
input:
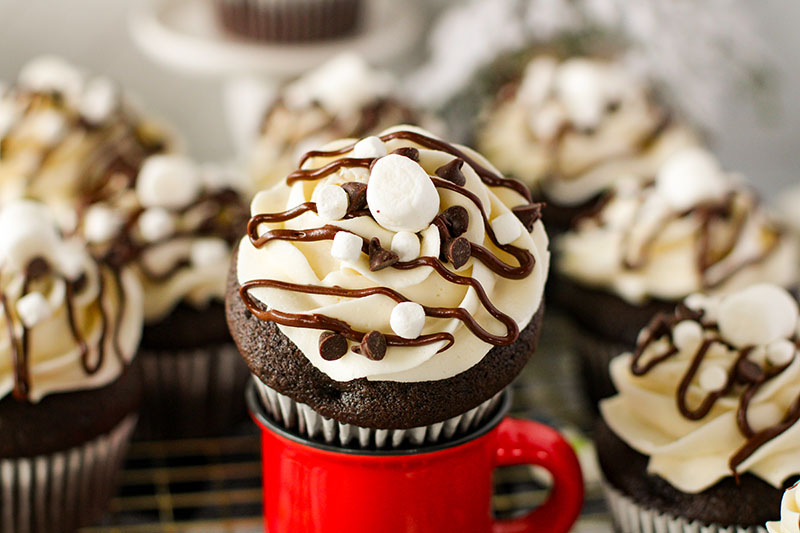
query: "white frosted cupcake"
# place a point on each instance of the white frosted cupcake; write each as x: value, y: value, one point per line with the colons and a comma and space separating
x: 790, y: 512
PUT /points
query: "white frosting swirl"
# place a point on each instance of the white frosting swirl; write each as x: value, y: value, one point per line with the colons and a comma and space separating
x: 645, y: 241
x: 314, y: 263
x: 693, y: 455
x: 54, y: 357
x: 790, y: 513
x: 574, y: 127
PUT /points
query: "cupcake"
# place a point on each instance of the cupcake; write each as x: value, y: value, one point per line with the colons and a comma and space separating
x: 68, y: 395
x: 790, y: 512
x: 704, y: 433
x: 389, y: 290
x: 290, y: 20
x: 343, y: 98
x: 65, y: 134
x: 693, y: 228
x: 174, y: 225
x: 569, y: 129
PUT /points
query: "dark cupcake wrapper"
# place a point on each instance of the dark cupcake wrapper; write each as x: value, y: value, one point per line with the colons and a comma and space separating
x: 307, y: 422
x: 290, y: 20
x: 191, y: 393
x: 595, y: 355
x: 64, y: 490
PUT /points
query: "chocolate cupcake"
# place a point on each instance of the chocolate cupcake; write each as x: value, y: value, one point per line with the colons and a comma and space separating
x: 705, y: 432
x: 389, y: 290
x: 174, y: 224
x: 693, y: 228
x: 343, y: 98
x: 571, y: 128
x: 290, y: 20
x: 68, y: 396
x: 790, y: 512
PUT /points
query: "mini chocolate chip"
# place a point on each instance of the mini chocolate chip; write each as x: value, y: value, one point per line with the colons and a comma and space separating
x: 457, y: 220
x: 528, y: 214
x: 373, y: 345
x: 37, y: 268
x: 332, y: 346
x: 357, y: 192
x: 458, y: 251
x: 749, y: 372
x: 380, y: 258
x: 452, y: 172
x: 409, y: 152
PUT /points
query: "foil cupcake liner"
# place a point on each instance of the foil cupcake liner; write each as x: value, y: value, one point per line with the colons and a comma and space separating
x: 307, y: 422
x: 290, y: 20
x: 191, y: 393
x: 595, y: 355
x: 64, y: 490
x: 631, y: 517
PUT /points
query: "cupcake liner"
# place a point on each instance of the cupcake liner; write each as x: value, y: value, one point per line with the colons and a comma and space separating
x: 64, y: 490
x: 595, y: 355
x: 307, y: 422
x: 631, y: 517
x: 290, y: 20
x: 191, y: 393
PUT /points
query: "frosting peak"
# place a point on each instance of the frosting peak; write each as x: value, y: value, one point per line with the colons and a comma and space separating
x: 790, y: 513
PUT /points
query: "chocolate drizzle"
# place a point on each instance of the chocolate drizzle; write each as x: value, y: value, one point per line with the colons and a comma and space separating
x: 744, y: 379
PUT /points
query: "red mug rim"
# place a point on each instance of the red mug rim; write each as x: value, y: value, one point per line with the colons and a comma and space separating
x: 259, y: 413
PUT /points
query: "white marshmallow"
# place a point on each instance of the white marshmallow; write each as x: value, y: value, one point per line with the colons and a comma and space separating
x: 583, y: 89
x: 406, y: 245
x: 759, y: 314
x: 687, y: 334
x: 49, y: 127
x: 99, y: 100
x: 101, y: 223
x: 209, y: 252
x: 401, y: 195
x: 702, y: 302
x: 33, y: 308
x: 537, y: 82
x: 52, y: 74
x: 547, y: 121
x: 71, y: 259
x: 690, y: 177
x: 26, y: 231
x: 156, y: 223
x: 407, y: 319
x: 332, y: 202
x: 507, y: 228
x: 170, y: 181
x: 346, y: 247
x: 371, y: 147
x: 713, y: 378
x: 781, y: 352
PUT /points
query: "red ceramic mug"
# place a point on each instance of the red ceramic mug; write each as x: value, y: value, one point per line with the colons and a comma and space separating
x: 310, y: 487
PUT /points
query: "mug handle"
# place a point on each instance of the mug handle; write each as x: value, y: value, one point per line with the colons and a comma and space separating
x: 523, y: 442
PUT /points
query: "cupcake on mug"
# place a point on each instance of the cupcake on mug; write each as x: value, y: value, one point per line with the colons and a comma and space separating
x: 790, y: 512
x: 692, y: 229
x: 175, y: 225
x: 343, y: 98
x: 389, y: 290
x: 68, y: 395
x: 704, y: 433
x: 570, y: 128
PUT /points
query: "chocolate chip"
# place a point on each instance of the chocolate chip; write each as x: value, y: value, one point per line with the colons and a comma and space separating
x: 380, y: 258
x: 373, y: 346
x: 457, y: 220
x: 749, y: 372
x: 458, y: 251
x: 452, y: 172
x: 37, y: 268
x: 357, y: 192
x: 409, y: 152
x: 528, y: 214
x: 332, y: 346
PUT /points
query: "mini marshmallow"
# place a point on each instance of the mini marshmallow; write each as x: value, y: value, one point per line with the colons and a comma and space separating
x: 758, y: 314
x: 156, y: 223
x: 332, y: 202
x: 537, y: 82
x: 33, y: 308
x: 49, y: 127
x: 406, y: 245
x: 701, y: 302
x: 401, y: 195
x: 713, y: 378
x: 781, y: 352
x: 98, y: 101
x: 27, y: 230
x: 101, y: 223
x: 690, y: 177
x: 209, y: 252
x: 52, y: 74
x: 371, y: 147
x: 583, y: 88
x: 507, y: 228
x: 346, y: 247
x: 687, y: 334
x: 407, y: 319
x: 170, y: 181
x: 547, y: 121
x: 71, y: 259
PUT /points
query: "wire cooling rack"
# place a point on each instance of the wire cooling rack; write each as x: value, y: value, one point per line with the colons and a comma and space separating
x: 214, y: 485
